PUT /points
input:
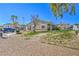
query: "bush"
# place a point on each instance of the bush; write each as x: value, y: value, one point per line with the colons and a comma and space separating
x: 56, y: 28
x: 18, y: 32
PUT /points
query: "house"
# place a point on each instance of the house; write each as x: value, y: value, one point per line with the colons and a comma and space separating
x: 8, y: 25
x: 76, y: 27
x: 1, y: 26
x: 39, y: 25
x: 64, y: 26
x: 22, y: 27
x: 69, y: 27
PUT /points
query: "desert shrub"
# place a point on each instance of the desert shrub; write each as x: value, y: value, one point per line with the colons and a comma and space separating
x: 60, y: 37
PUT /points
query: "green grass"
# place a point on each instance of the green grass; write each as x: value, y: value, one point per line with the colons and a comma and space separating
x: 31, y: 33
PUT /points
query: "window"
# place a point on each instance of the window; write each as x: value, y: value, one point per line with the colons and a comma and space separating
x: 43, y: 26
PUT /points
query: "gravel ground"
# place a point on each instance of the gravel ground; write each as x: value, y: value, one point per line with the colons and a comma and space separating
x: 16, y: 45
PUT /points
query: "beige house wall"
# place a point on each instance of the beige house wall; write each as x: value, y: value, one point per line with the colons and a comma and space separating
x: 39, y: 26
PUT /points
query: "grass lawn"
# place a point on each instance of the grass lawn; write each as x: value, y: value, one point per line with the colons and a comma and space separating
x: 31, y: 34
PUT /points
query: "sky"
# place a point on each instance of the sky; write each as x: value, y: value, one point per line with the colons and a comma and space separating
x: 27, y: 9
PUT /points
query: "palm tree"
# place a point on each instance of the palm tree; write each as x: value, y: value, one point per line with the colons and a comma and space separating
x: 59, y: 9
x: 14, y: 18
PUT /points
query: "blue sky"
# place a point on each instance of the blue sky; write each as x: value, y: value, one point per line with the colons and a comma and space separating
x: 27, y: 9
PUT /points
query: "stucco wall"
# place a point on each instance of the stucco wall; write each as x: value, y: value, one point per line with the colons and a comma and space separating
x: 38, y: 26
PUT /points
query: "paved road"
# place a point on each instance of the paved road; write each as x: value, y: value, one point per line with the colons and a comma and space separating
x: 17, y: 45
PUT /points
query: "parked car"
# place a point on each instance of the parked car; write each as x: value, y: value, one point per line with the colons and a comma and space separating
x: 5, y: 30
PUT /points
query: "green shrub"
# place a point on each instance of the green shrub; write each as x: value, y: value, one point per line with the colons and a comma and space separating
x: 18, y: 32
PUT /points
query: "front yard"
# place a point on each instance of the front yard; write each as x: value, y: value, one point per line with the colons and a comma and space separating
x: 66, y: 38
x: 19, y: 45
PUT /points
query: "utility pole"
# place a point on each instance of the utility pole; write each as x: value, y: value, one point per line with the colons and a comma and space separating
x: 23, y: 20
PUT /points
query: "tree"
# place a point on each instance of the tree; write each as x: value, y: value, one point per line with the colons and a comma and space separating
x: 14, y: 18
x: 59, y: 9
x: 34, y: 19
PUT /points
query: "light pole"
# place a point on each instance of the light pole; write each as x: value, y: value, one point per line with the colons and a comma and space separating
x: 23, y: 20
